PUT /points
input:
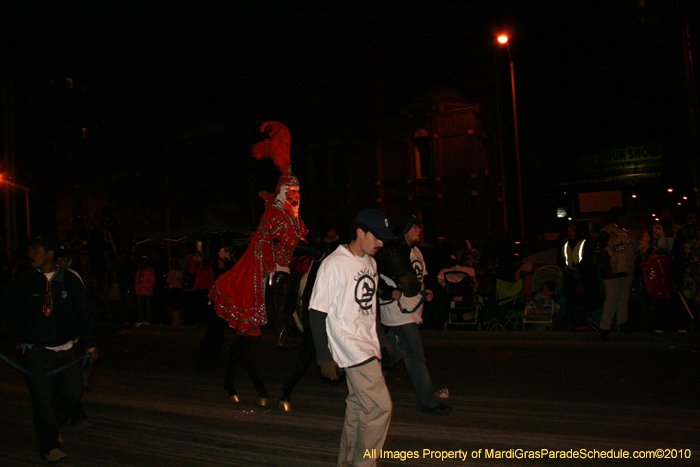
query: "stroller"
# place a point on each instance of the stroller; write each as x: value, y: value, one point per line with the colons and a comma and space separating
x: 464, y: 302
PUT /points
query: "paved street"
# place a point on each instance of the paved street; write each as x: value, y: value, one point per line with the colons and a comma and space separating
x: 513, y: 393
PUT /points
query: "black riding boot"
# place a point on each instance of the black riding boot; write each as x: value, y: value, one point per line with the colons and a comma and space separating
x: 282, y: 299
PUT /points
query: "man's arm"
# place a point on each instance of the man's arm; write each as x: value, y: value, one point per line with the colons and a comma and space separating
x: 386, y: 292
x: 84, y: 315
x: 329, y: 368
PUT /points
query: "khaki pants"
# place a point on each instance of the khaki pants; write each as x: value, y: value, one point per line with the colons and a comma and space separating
x: 367, y: 416
x: 617, y: 297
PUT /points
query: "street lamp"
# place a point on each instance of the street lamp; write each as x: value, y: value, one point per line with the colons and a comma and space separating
x: 26, y: 198
x: 503, y: 39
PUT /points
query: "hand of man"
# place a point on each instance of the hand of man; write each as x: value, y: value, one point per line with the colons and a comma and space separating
x: 330, y: 370
x: 388, y: 357
x: 93, y: 353
x: 396, y: 295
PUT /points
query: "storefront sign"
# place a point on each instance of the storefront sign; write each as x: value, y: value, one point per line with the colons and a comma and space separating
x: 632, y: 158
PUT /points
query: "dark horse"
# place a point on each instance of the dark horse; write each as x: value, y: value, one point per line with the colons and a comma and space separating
x: 279, y: 310
x: 402, y: 272
x: 307, y: 351
x: 399, y: 268
x: 394, y: 262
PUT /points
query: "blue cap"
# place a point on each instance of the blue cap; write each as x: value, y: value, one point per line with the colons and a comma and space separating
x: 374, y: 220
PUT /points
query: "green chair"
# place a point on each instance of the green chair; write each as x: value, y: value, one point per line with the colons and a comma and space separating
x: 510, y: 301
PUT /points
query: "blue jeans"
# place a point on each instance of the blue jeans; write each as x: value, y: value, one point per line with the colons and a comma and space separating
x: 408, y: 346
x: 145, y: 308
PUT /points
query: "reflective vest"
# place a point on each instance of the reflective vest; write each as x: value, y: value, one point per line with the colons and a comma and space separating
x: 573, y: 256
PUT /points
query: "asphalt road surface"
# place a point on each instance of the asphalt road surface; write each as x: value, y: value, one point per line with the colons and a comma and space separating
x: 518, y: 397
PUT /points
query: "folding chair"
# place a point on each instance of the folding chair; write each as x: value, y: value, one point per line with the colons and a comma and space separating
x: 509, y: 299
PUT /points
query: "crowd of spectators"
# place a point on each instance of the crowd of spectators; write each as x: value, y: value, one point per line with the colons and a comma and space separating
x: 154, y: 284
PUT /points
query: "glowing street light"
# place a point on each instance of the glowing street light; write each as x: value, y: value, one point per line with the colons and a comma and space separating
x: 503, y: 39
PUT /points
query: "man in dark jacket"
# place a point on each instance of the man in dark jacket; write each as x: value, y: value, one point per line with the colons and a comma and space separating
x: 402, y: 292
x: 50, y: 310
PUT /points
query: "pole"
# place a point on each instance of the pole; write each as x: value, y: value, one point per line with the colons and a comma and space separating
x: 26, y: 199
x: 517, y: 145
x: 500, y: 148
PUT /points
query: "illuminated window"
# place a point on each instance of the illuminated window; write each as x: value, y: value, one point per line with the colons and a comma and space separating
x: 423, y: 154
x: 69, y: 83
x: 85, y: 133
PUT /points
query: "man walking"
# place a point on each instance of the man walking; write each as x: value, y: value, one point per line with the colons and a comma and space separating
x: 49, y: 309
x: 402, y: 312
x: 343, y: 313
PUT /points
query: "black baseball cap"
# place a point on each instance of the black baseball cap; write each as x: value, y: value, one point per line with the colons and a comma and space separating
x: 374, y: 220
x: 49, y: 243
x: 404, y: 223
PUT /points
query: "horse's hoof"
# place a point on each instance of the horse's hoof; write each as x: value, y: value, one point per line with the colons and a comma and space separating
x: 262, y: 401
x: 286, y: 406
x: 235, y: 398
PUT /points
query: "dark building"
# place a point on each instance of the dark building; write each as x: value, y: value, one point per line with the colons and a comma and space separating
x: 434, y: 160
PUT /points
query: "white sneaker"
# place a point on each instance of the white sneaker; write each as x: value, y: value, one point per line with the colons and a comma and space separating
x: 55, y: 455
x: 138, y: 325
x: 443, y: 393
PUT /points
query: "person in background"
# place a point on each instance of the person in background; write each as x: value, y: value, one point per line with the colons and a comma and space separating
x: 686, y: 252
x: 203, y: 282
x: 617, y: 267
x: 143, y: 286
x: 659, y: 239
x: 174, y: 280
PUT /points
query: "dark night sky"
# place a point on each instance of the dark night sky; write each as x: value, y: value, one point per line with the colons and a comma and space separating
x: 590, y: 75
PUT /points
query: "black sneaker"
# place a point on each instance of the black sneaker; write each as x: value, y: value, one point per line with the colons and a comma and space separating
x: 604, y: 335
x: 440, y: 409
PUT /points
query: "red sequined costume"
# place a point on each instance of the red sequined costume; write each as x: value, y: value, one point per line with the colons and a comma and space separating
x: 239, y: 294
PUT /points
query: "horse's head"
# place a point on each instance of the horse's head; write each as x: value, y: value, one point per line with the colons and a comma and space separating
x: 403, y: 273
x: 410, y: 286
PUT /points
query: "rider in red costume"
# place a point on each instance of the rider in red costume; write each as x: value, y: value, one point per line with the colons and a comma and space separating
x: 238, y: 295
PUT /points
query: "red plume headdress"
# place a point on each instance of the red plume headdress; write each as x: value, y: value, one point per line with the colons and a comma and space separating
x: 277, y: 147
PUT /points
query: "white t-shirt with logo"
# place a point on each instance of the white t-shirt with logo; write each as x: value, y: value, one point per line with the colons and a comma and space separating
x: 391, y: 313
x: 346, y: 289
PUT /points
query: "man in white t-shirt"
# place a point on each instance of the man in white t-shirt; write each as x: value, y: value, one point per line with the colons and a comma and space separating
x: 343, y: 314
x: 402, y: 308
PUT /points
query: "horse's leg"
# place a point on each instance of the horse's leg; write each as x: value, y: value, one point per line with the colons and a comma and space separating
x: 283, y: 302
x: 234, y: 354
x: 246, y: 342
x: 307, y: 354
x: 212, y: 344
